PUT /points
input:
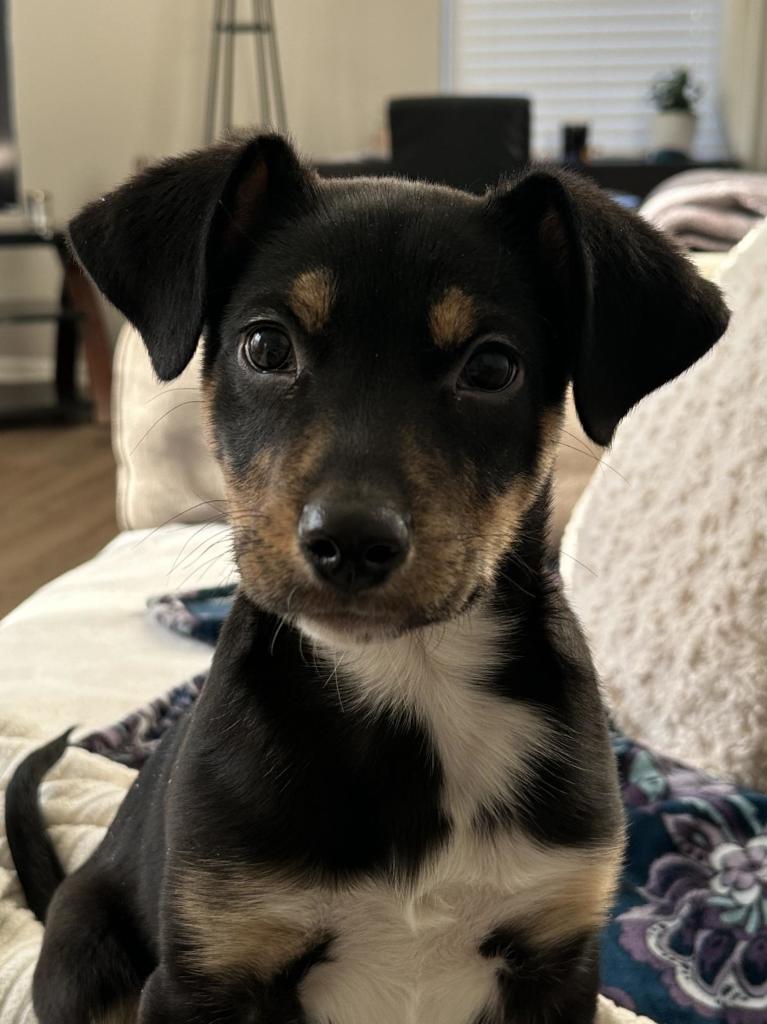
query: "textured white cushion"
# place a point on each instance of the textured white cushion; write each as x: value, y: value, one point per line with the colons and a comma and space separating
x: 165, y: 472
x: 672, y: 580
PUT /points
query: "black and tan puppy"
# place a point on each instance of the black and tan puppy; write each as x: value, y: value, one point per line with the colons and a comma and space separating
x: 395, y: 801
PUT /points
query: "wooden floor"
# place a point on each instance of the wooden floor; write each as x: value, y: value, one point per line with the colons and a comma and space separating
x: 57, y: 505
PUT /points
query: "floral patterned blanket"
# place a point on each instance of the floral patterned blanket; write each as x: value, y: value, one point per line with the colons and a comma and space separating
x: 687, y: 939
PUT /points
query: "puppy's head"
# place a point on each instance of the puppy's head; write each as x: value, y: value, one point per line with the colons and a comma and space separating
x: 385, y: 362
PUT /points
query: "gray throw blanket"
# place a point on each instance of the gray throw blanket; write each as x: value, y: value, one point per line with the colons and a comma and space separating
x: 709, y: 210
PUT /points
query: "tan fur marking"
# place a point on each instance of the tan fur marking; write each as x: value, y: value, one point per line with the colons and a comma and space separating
x: 229, y: 920
x: 124, y: 1012
x: 311, y: 298
x: 462, y: 544
x: 452, y: 318
x: 505, y: 515
x: 551, y: 429
x: 208, y: 390
x: 578, y: 901
x: 237, y: 922
x: 264, y: 506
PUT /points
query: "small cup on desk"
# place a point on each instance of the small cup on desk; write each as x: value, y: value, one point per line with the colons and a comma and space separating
x: 40, y: 212
x: 575, y: 144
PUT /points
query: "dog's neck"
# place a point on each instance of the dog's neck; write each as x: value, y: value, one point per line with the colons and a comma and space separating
x: 442, y: 678
x: 392, y: 670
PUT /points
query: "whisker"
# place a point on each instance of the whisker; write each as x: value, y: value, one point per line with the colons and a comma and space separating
x: 199, y: 569
x: 597, y: 460
x: 338, y: 687
x: 168, y: 391
x: 583, y: 565
x: 514, y: 583
x: 213, y: 522
x: 579, y: 439
x: 170, y: 519
x: 192, y: 401
x: 281, y: 623
x: 209, y: 545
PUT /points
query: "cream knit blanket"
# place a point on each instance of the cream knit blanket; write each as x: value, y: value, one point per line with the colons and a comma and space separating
x: 671, y: 546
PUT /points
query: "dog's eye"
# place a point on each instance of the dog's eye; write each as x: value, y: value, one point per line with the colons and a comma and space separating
x: 491, y: 367
x: 268, y: 349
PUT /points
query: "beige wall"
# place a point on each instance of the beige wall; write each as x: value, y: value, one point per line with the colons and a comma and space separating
x: 102, y: 83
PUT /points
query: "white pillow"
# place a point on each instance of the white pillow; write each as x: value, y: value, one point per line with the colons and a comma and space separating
x: 165, y: 472
x: 671, y: 573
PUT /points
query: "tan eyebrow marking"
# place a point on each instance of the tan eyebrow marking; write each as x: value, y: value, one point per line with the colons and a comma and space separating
x: 311, y: 298
x: 452, y: 318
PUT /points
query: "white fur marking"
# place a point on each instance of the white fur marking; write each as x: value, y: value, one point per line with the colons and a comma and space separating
x: 411, y: 957
x: 436, y: 676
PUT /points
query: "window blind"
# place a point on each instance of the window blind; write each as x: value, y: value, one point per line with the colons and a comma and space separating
x: 587, y: 63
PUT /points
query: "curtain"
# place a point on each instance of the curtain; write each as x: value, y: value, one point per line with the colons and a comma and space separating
x: 744, y: 81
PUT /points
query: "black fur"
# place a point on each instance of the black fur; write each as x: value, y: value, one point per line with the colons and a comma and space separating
x: 39, y: 871
x: 179, y: 227
x: 269, y: 770
x: 636, y: 310
x: 551, y: 988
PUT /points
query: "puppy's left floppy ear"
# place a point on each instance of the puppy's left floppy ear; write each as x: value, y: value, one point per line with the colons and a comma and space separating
x: 161, y: 244
x: 629, y: 310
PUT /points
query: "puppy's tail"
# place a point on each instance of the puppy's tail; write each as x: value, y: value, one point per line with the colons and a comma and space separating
x: 39, y: 869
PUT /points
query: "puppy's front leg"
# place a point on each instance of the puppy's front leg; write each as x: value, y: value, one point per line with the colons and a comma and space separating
x: 170, y: 997
x: 557, y: 984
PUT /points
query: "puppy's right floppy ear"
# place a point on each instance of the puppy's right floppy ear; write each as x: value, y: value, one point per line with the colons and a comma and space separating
x: 156, y: 245
x: 629, y: 310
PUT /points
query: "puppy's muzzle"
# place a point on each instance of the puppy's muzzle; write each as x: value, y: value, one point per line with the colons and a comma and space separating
x: 353, y: 545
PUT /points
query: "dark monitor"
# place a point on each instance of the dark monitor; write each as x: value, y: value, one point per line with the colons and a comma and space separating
x: 9, y: 156
x: 468, y: 142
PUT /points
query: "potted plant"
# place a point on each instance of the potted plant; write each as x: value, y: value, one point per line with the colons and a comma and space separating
x: 674, y: 96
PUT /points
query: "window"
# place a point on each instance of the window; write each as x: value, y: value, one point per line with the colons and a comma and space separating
x: 587, y: 63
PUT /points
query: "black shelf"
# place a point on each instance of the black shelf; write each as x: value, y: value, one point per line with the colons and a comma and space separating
x: 33, y: 312
x: 25, y: 404
x: 58, y: 400
x: 25, y: 236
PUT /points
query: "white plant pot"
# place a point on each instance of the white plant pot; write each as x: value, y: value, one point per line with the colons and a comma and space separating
x: 674, y: 130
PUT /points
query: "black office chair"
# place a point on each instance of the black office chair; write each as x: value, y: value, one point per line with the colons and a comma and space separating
x: 468, y: 142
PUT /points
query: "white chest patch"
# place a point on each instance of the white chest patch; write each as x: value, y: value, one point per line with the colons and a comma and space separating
x: 411, y: 960
x: 437, y: 677
x: 412, y: 957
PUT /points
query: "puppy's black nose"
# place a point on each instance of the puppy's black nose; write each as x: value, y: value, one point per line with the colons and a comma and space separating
x: 353, y: 545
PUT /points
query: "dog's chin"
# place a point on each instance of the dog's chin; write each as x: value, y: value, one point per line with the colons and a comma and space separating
x: 346, y: 630
x: 341, y: 624
x: 353, y: 629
